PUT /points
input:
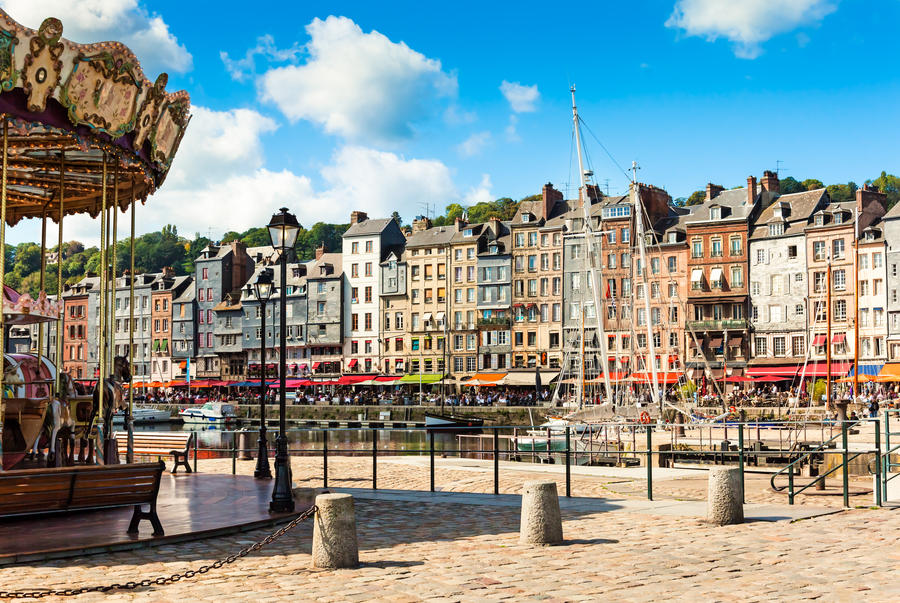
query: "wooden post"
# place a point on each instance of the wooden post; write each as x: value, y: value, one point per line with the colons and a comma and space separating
x: 41, y: 282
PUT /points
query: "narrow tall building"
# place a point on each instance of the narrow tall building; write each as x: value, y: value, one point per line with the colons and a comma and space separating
x: 366, y: 244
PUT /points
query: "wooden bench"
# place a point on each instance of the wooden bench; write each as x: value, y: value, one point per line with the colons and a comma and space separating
x: 176, y: 444
x: 83, y: 488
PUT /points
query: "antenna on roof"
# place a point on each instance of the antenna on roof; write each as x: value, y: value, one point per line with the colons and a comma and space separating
x: 606, y: 185
x: 778, y: 163
x: 430, y: 209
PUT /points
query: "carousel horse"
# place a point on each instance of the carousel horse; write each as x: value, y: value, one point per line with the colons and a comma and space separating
x: 113, y: 398
x: 59, y: 428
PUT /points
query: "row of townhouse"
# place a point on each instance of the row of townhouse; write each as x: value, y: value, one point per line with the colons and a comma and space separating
x: 737, y: 284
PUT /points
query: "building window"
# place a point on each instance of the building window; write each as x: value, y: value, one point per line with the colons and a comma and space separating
x: 697, y: 248
x: 760, y: 345
x: 715, y: 248
x: 837, y: 248
x: 819, y: 250
x: 737, y: 247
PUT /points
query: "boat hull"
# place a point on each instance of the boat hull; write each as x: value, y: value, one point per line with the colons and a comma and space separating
x: 435, y: 422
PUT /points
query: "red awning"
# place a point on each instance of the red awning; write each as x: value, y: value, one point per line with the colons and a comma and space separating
x: 819, y: 341
x: 352, y: 363
x: 200, y: 383
x: 839, y: 338
x: 353, y: 379
x: 182, y: 364
x: 820, y: 369
x: 785, y: 370
x: 387, y: 378
x: 316, y: 365
x: 661, y: 377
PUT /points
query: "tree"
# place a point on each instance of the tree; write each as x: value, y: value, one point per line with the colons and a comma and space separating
x: 842, y: 192
x: 811, y: 184
x: 256, y: 237
x: 789, y: 186
x: 889, y: 185
x: 396, y: 216
x: 696, y: 198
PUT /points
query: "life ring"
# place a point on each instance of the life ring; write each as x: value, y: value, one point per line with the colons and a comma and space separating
x: 732, y: 409
x: 645, y: 417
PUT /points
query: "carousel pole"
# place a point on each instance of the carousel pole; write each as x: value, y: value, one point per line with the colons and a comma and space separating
x: 129, y: 422
x: 115, y: 269
x: 101, y: 377
x: 59, y: 284
x: 110, y: 288
x: 3, y: 279
x: 42, y: 280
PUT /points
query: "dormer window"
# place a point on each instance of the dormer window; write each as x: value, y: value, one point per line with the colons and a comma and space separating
x: 467, y: 232
x: 870, y: 235
x: 839, y: 218
x: 820, y: 220
x: 672, y: 237
x: 526, y: 217
x: 776, y: 229
x: 715, y: 213
x: 492, y: 249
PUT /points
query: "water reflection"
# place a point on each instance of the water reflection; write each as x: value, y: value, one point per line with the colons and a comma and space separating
x: 353, y: 441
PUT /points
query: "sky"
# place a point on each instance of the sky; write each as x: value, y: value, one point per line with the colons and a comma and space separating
x: 330, y: 107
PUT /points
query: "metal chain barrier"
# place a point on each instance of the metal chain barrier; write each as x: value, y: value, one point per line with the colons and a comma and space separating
x: 162, y: 580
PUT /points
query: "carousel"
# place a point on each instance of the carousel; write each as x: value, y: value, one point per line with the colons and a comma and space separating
x: 83, y: 132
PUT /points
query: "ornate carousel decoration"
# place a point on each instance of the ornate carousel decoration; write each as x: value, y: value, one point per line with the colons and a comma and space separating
x: 83, y: 132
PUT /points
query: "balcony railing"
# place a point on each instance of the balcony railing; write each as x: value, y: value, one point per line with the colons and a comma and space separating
x: 717, y: 325
x: 501, y: 321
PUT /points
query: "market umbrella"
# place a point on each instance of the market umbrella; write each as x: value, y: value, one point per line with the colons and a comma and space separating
x: 537, y: 382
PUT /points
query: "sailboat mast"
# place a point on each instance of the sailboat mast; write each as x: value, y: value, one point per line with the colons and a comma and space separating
x: 642, y: 249
x: 591, y: 257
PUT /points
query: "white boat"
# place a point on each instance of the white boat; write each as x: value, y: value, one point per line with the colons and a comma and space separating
x: 211, y: 412
x: 143, y: 415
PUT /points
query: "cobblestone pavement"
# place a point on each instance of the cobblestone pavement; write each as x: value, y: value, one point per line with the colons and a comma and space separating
x: 471, y: 553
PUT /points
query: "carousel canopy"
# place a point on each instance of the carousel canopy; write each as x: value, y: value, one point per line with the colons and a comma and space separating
x: 24, y: 310
x: 70, y: 108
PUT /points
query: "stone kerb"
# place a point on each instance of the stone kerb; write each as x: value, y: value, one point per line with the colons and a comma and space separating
x: 725, y: 497
x: 334, y: 532
x: 541, y: 522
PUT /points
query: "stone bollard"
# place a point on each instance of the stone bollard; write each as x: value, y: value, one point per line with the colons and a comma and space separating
x: 334, y: 532
x: 724, y: 502
x: 246, y: 446
x: 541, y: 521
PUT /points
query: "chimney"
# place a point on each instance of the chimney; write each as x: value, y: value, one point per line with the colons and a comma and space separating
x: 320, y: 251
x: 358, y: 216
x: 712, y: 190
x: 751, y: 190
x: 871, y: 205
x: 459, y: 224
x: 549, y: 197
x: 168, y: 272
x: 770, y: 182
x: 421, y: 223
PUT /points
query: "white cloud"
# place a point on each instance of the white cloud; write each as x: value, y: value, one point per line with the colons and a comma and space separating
x: 512, y: 134
x: 124, y: 21
x: 358, y: 85
x: 747, y: 23
x: 474, y: 144
x: 522, y: 99
x: 241, y: 69
x: 480, y: 193
x: 380, y: 182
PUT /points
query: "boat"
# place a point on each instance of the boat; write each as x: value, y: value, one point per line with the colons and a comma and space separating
x: 436, y: 422
x: 211, y: 412
x: 144, y: 415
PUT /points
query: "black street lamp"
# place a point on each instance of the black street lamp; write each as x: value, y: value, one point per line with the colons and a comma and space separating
x: 283, y: 230
x: 263, y: 288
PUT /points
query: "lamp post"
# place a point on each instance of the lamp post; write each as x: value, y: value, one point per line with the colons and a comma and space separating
x: 263, y: 288
x: 283, y: 230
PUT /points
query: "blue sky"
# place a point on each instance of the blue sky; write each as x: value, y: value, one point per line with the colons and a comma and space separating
x: 328, y: 107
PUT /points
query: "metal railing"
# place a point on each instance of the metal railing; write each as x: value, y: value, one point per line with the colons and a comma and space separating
x: 603, y: 444
x: 810, y: 457
x: 885, y: 465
